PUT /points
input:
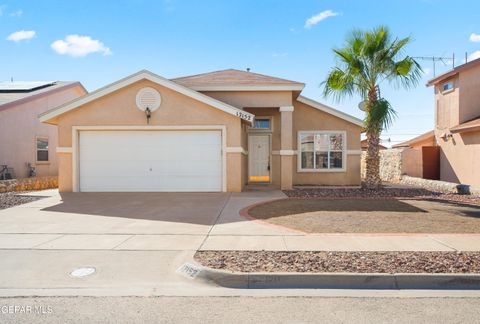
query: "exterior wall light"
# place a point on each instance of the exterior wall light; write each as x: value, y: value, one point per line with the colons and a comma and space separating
x: 148, y: 114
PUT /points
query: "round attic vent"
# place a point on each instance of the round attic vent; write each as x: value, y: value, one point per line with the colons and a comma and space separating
x: 148, y: 98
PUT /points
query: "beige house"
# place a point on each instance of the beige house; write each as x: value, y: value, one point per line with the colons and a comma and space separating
x: 420, y: 156
x: 457, y: 123
x: 216, y: 131
x: 25, y: 142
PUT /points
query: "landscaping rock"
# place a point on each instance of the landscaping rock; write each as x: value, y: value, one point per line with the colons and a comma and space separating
x: 385, y: 193
x: 354, y: 262
x: 10, y: 199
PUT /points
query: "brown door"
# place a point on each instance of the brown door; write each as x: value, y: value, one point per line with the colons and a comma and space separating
x: 431, y: 162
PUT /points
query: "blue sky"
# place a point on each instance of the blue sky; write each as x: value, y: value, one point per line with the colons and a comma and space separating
x: 181, y: 37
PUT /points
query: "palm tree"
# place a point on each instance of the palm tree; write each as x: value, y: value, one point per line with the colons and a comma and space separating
x: 368, y: 59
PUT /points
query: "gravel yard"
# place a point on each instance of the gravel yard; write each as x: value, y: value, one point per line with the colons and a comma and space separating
x: 359, y: 262
x: 347, y: 215
x: 380, y: 194
x: 10, y: 199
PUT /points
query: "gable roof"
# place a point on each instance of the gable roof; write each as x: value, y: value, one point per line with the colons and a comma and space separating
x: 453, y: 72
x: 13, y: 98
x: 430, y: 135
x: 144, y: 75
x: 237, y: 80
x: 331, y: 111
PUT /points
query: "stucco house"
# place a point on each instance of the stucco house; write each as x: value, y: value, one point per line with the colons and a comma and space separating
x: 216, y: 131
x: 420, y: 156
x: 25, y: 142
x: 457, y: 123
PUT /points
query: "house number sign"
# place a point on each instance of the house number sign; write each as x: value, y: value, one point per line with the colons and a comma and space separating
x: 244, y: 116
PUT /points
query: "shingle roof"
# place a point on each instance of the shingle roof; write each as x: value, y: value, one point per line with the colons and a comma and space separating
x: 10, y: 97
x: 232, y: 77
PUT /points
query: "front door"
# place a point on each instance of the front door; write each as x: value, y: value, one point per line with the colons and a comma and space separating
x: 259, y: 158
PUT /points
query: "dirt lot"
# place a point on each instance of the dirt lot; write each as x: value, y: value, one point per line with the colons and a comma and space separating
x: 370, y: 216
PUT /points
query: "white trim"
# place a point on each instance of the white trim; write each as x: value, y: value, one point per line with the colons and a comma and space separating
x: 344, y: 151
x: 330, y: 110
x: 145, y: 75
x: 354, y: 152
x: 287, y: 152
x: 236, y: 149
x: 77, y: 129
x: 279, y: 87
x: 63, y: 149
x: 267, y: 130
x: 45, y: 138
x: 286, y: 108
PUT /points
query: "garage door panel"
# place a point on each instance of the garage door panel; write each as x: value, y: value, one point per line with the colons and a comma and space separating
x: 150, y: 161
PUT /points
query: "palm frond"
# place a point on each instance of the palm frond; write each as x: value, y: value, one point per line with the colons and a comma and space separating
x: 380, y: 116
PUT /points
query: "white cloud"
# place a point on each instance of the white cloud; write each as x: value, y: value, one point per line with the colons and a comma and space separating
x: 475, y: 55
x: 312, y: 21
x: 79, y: 46
x: 17, y: 13
x: 21, y: 35
x: 475, y: 38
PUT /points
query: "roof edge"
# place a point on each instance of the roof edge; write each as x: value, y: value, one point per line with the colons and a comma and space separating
x: 453, y: 72
x: 259, y: 87
x: 147, y: 75
x: 331, y: 111
x: 42, y: 94
x: 420, y: 138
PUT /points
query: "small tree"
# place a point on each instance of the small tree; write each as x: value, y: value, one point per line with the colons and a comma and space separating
x: 368, y: 59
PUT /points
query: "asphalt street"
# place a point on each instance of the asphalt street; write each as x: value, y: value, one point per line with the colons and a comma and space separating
x: 238, y: 310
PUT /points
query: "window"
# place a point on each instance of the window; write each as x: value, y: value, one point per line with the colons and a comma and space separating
x: 42, y: 150
x: 447, y: 86
x: 321, y: 151
x: 262, y: 123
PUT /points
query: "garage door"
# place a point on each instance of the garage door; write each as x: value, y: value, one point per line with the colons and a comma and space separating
x: 150, y: 161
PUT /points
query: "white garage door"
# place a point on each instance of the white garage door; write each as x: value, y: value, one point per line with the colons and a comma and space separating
x: 150, y: 161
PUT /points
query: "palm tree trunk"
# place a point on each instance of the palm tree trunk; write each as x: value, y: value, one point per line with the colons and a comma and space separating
x: 372, y: 177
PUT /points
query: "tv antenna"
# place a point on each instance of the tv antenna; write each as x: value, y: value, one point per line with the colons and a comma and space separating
x: 435, y: 59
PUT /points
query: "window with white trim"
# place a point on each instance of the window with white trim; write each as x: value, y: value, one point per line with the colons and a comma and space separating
x: 42, y: 149
x: 321, y: 150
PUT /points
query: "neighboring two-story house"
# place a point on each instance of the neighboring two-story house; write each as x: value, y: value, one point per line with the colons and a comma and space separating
x: 26, y: 144
x: 457, y: 123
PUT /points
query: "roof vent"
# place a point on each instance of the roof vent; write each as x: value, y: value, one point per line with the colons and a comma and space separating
x: 148, y: 98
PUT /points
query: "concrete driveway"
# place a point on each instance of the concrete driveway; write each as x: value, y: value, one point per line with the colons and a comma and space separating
x: 136, y: 241
x: 128, y: 221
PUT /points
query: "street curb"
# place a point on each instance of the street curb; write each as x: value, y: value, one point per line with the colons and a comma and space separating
x: 286, y: 280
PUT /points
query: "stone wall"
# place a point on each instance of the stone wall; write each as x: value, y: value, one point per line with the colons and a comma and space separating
x: 36, y: 183
x: 390, y: 165
x: 440, y: 186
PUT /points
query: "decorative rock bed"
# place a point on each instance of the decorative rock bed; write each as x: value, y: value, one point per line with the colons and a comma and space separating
x: 10, y: 199
x: 354, y: 262
x: 385, y: 193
